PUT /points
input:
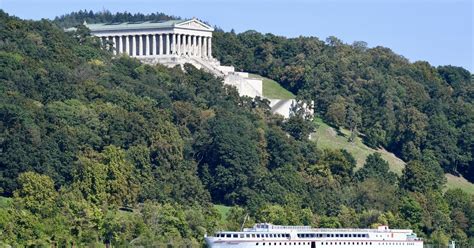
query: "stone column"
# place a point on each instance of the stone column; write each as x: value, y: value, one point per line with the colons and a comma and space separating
x: 126, y: 42
x: 199, y: 44
x: 185, y: 44
x: 204, y: 47
x: 147, y: 45
x: 134, y: 46
x: 188, y: 45
x: 153, y: 44
x: 120, y: 44
x: 193, y: 46
x: 209, y: 55
x: 173, y: 43
x: 167, y: 52
x: 178, y: 41
x: 160, y: 41
x: 140, y: 45
x: 106, y: 43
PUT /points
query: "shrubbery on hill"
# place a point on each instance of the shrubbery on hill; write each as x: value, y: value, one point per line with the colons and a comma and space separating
x: 102, y: 150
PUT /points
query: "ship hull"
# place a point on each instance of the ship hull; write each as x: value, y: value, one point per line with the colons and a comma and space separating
x: 215, y: 243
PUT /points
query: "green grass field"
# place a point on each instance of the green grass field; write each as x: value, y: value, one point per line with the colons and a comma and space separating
x: 272, y: 89
x: 459, y: 182
x: 223, y: 210
x: 328, y: 138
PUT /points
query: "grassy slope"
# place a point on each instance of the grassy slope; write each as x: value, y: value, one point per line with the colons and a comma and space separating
x: 272, y: 89
x: 459, y: 182
x: 327, y: 137
x: 223, y: 210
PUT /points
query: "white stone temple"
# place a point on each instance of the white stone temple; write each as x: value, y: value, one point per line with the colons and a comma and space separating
x: 177, y: 42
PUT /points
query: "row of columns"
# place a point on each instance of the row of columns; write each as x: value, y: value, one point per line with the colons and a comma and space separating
x: 160, y: 44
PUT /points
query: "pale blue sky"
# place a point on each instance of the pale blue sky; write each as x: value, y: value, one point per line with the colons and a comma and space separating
x: 437, y: 31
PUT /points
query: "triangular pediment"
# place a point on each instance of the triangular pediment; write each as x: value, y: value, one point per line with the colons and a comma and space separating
x: 194, y: 24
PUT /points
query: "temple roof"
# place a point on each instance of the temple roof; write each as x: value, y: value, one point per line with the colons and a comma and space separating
x: 192, y: 23
x: 132, y: 25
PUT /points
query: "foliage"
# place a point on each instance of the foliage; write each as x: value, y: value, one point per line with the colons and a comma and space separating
x: 405, y: 107
x: 98, y: 150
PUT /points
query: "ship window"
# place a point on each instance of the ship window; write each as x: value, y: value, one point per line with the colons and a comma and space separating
x: 256, y: 243
x: 247, y: 235
x: 241, y: 235
x: 258, y: 235
x: 235, y: 236
x: 253, y: 235
x: 228, y: 235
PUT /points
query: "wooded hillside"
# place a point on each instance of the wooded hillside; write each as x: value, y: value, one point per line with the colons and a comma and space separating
x: 99, y: 150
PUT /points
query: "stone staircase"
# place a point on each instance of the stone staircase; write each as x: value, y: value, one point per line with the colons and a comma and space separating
x: 245, y: 86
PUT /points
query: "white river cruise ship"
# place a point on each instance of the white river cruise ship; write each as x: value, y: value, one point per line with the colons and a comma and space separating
x: 268, y: 235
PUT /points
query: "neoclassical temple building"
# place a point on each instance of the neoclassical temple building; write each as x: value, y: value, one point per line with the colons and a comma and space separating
x: 176, y: 42
x: 149, y: 39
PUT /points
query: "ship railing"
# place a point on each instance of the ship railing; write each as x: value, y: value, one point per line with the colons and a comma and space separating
x: 291, y: 227
x: 357, y: 230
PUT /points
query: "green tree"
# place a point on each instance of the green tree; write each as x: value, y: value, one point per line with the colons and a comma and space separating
x: 36, y: 194
x: 422, y: 177
x: 376, y: 167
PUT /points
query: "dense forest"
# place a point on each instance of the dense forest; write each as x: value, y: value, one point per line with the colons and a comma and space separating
x: 99, y: 150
